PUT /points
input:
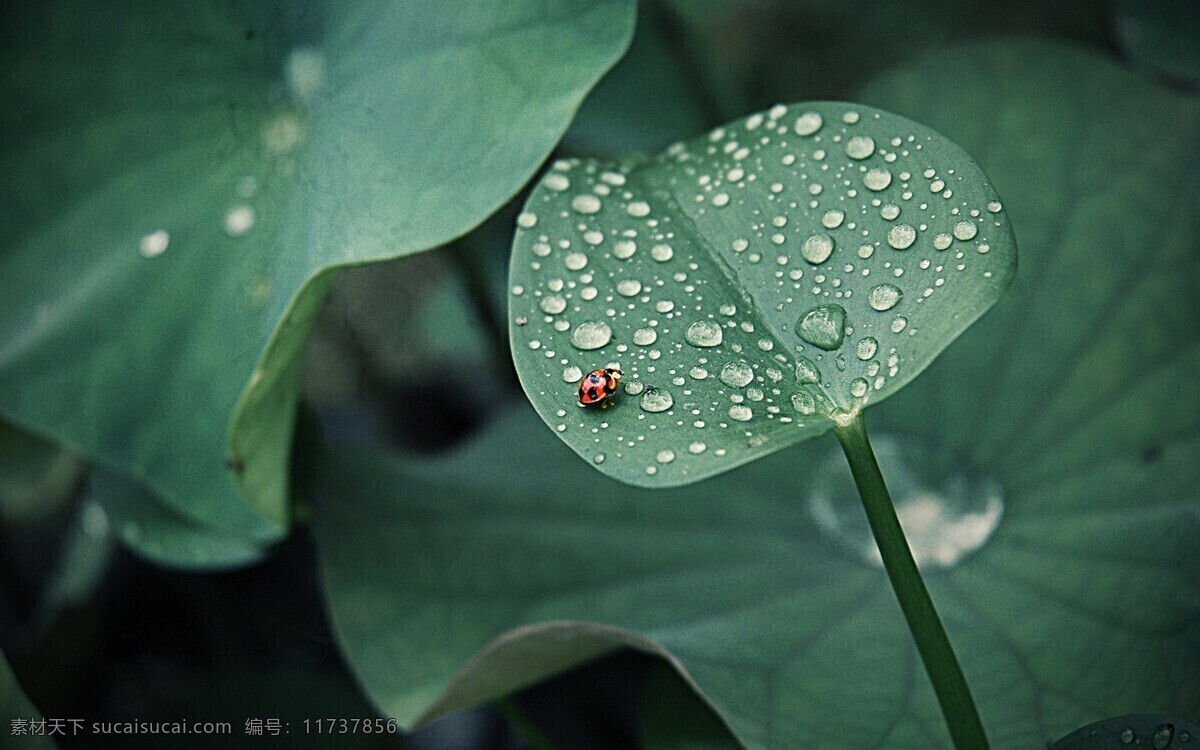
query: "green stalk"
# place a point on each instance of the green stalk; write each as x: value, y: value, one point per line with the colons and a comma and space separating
x: 940, y: 663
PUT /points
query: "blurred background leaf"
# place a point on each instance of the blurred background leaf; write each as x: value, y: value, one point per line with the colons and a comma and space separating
x: 186, y: 175
x: 14, y: 705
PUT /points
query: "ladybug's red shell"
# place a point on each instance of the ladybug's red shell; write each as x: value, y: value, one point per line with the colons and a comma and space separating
x: 598, y: 385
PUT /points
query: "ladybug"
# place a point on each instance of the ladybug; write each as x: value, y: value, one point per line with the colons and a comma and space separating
x: 598, y: 385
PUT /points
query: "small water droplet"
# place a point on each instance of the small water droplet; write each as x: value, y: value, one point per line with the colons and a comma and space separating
x: 942, y: 241
x: 575, y: 261
x: 858, y: 388
x: 737, y: 374
x: 527, y: 220
x: 154, y: 244
x: 556, y: 181
x: 629, y: 287
x: 661, y: 253
x: 740, y: 412
x: 572, y: 374
x: 638, y: 209
x: 890, y: 211
x: 965, y: 230
x: 817, y: 249
x: 808, y: 123
x: 994, y: 207
x: 860, y: 147
x: 553, y: 304
x: 239, y: 220
x: 697, y: 448
x: 655, y: 400
x: 585, y: 204
x: 591, y: 335
x: 804, y: 403
x: 899, y: 324
x: 1163, y: 734
x: 902, y: 236
x: 806, y: 371
x: 884, y: 297
x: 624, y: 249
x: 1127, y: 736
x: 665, y: 456
x: 823, y: 326
x: 877, y: 179
x: 704, y: 334
x: 634, y: 387
x: 866, y: 348
x: 598, y: 458
x: 698, y: 373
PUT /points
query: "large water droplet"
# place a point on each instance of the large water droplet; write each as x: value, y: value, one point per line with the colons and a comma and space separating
x: 704, y: 334
x: 902, y: 236
x: 629, y: 287
x: 858, y: 387
x: 884, y: 297
x: 817, y: 249
x: 945, y: 517
x: 737, y: 374
x: 860, y: 147
x: 808, y: 123
x: 823, y: 326
x: 1163, y: 734
x: 655, y: 400
x: 877, y: 179
x: 591, y: 335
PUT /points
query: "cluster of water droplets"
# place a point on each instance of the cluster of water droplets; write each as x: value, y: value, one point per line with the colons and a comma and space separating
x: 283, y: 131
x: 764, y: 281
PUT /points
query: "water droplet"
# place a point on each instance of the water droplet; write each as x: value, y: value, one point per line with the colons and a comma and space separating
x: 591, y: 335
x: 629, y: 287
x: 739, y: 245
x: 644, y: 336
x: 154, y: 244
x: 823, y: 326
x: 556, y: 181
x: 698, y: 373
x: 737, y: 374
x: 808, y: 123
x: 902, y: 236
x: 860, y: 147
x: 655, y: 400
x: 239, y: 220
x: 634, y: 387
x: 858, y: 388
x: 817, y: 249
x: 804, y: 403
x: 575, y: 261
x: 638, y: 209
x: 728, y: 309
x: 884, y: 297
x: 661, y: 253
x: 994, y: 207
x: 866, y: 348
x: 877, y: 179
x: 704, y: 334
x: 740, y: 412
x: 942, y: 241
x: 553, y: 304
x: 1127, y: 736
x: 965, y: 230
x: 833, y: 218
x: 697, y: 448
x: 585, y: 204
x: 899, y: 324
x: 890, y: 211
x: 598, y: 458
x: 527, y: 220
x: 624, y: 249
x: 572, y: 374
x: 1163, y: 734
x: 665, y: 456
x: 806, y: 371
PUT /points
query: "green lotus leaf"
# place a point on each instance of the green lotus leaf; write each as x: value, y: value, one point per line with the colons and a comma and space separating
x: 751, y: 284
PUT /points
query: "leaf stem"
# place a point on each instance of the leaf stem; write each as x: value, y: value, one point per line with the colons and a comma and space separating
x: 940, y: 663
